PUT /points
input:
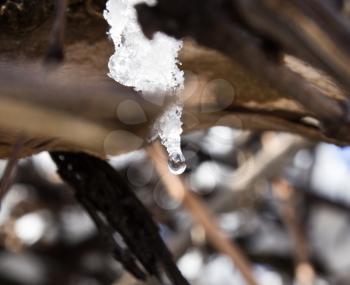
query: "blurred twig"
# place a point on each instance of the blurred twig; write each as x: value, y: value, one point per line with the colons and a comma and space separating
x: 304, y: 271
x: 10, y: 168
x: 177, y: 189
x: 268, y: 163
x: 55, y: 51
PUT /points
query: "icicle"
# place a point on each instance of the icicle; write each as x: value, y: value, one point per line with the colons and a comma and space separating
x: 149, y: 66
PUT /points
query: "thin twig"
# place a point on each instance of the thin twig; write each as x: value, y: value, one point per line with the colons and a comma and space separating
x: 267, y: 163
x: 304, y: 271
x: 10, y: 169
x: 177, y: 189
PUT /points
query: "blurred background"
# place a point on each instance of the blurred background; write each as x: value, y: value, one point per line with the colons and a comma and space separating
x: 284, y: 201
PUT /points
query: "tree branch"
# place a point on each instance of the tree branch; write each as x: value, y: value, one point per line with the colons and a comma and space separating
x: 75, y: 107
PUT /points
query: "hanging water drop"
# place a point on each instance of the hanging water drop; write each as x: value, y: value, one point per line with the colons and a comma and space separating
x: 169, y: 131
x: 177, y: 163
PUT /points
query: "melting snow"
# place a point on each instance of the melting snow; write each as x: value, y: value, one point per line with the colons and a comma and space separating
x: 149, y: 66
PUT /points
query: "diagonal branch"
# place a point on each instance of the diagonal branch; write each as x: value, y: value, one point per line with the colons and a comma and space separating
x: 177, y: 190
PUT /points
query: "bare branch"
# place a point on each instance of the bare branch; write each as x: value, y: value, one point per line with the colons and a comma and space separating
x: 78, y: 104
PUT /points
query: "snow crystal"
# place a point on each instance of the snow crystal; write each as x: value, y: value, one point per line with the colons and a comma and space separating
x: 149, y: 66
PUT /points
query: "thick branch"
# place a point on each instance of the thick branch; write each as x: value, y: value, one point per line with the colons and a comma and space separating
x: 75, y: 107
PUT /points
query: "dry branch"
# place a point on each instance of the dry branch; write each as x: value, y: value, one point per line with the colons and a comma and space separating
x: 223, y: 25
x: 304, y: 271
x: 10, y: 169
x: 70, y: 115
x: 78, y: 103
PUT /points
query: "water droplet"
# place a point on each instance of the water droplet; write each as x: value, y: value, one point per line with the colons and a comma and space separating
x: 177, y: 163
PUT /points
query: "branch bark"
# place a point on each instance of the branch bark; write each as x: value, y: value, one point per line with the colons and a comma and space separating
x: 74, y: 107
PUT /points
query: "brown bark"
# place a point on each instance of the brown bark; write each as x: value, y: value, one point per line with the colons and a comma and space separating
x: 75, y: 106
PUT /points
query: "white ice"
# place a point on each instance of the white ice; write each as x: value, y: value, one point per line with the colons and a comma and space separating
x: 149, y: 66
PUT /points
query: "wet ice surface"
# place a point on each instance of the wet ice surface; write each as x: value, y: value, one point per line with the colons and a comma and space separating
x: 169, y: 131
x: 150, y: 67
